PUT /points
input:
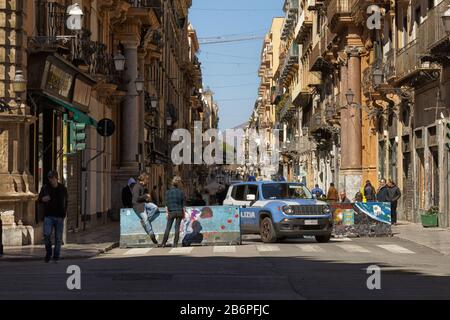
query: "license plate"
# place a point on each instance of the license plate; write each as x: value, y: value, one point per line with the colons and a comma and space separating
x: 311, y: 222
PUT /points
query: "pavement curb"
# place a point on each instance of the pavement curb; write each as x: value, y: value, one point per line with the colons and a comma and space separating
x: 6, y: 258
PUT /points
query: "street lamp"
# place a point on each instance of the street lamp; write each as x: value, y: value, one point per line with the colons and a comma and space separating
x: 446, y: 20
x: 139, y: 85
x: 154, y: 102
x: 19, y: 83
x: 377, y: 77
x: 119, y: 61
x: 169, y: 120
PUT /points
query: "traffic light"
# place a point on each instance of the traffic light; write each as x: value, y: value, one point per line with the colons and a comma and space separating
x: 447, y: 136
x: 77, y: 137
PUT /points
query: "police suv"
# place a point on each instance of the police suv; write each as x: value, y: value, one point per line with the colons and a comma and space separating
x: 278, y: 210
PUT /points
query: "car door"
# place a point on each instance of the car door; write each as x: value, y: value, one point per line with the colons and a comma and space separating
x: 250, y: 212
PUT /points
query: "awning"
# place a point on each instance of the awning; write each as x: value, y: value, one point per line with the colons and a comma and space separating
x: 78, y: 115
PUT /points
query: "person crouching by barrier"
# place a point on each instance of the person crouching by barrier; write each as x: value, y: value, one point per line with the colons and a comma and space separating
x: 144, y: 208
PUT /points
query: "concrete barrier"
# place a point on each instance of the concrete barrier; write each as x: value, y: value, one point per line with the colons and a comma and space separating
x: 219, y: 225
x: 362, y: 219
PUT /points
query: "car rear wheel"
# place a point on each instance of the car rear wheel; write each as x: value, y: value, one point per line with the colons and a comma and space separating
x: 323, y: 239
x: 267, y: 231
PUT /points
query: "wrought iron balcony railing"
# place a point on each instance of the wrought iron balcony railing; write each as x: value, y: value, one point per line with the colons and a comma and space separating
x: 291, y: 9
x: 431, y: 33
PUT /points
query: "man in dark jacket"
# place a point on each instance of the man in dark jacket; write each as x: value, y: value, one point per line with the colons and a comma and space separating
x: 382, y: 193
x: 369, y: 192
x: 393, y: 195
x: 127, y: 194
x: 54, y: 198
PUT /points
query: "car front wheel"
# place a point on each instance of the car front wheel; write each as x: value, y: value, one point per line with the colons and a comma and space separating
x: 267, y: 231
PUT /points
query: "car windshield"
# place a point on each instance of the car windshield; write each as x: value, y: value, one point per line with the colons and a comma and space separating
x: 276, y: 191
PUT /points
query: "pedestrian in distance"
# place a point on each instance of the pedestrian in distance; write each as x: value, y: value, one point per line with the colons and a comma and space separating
x: 343, y: 198
x: 358, y: 197
x: 369, y: 192
x: 127, y: 193
x: 382, y: 193
x: 332, y: 194
x: 175, y: 201
x: 317, y: 192
x: 143, y: 207
x: 393, y: 195
x: 54, y: 199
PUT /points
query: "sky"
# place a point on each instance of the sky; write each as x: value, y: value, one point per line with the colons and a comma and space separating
x: 231, y: 69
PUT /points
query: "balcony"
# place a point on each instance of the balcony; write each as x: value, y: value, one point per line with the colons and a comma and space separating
x: 93, y: 58
x: 304, y: 26
x: 299, y: 145
x: 411, y: 70
x: 318, y: 59
x: 301, y: 94
x: 287, y: 111
x: 291, y: 10
x: 338, y: 11
x: 313, y: 5
x: 432, y: 37
x: 290, y: 64
x: 140, y: 8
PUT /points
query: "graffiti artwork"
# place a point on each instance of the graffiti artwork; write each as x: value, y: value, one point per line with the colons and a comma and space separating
x: 362, y: 219
x: 200, y: 226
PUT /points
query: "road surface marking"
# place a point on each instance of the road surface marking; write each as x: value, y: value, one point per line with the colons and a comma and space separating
x: 341, y: 239
x: 310, y: 248
x: 181, y: 250
x: 224, y: 249
x: 353, y: 248
x: 395, y: 248
x: 267, y: 248
x: 138, y: 252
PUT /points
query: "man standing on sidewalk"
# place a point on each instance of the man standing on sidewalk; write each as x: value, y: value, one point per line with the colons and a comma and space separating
x: 175, y: 201
x: 54, y: 198
x: 393, y: 194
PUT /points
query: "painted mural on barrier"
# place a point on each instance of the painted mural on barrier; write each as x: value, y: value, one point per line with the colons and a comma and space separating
x: 200, y: 226
x: 362, y: 219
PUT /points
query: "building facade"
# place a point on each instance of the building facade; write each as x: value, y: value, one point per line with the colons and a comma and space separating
x: 359, y: 98
x: 134, y: 62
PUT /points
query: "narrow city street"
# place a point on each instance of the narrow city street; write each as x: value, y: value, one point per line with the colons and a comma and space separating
x: 296, y: 269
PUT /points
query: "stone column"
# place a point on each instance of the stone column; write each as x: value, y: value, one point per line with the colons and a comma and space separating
x: 141, y: 107
x: 351, y: 149
x: 130, y: 111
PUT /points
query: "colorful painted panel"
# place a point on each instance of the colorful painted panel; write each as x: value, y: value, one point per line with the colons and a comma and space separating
x: 200, y: 226
x: 362, y: 219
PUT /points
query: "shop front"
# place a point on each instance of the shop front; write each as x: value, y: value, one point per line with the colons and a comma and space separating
x: 59, y: 96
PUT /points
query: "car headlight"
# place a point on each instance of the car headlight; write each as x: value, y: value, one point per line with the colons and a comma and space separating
x: 288, y: 210
x: 327, y: 210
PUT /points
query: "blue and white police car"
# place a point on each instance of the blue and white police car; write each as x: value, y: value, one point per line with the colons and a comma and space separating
x: 279, y: 210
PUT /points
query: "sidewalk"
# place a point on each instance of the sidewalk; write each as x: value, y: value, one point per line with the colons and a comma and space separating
x: 80, y: 245
x: 435, y: 238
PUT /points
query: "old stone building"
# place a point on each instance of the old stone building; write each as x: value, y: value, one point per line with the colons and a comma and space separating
x: 133, y: 62
x: 361, y: 102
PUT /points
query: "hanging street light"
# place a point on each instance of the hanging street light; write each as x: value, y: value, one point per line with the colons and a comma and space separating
x: 139, y: 85
x: 19, y: 83
x: 119, y: 61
